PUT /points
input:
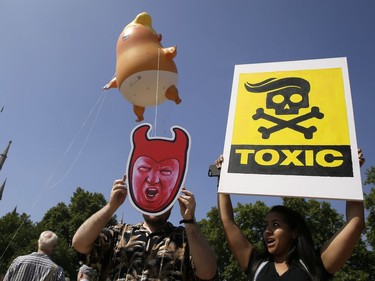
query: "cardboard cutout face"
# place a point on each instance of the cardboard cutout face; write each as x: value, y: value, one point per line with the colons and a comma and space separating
x: 154, y: 181
x: 157, y: 169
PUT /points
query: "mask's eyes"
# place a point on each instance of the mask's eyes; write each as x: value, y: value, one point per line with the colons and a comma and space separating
x: 144, y: 168
x: 166, y: 172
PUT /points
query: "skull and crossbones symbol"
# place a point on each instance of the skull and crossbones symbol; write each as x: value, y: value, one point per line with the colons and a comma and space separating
x: 286, y: 96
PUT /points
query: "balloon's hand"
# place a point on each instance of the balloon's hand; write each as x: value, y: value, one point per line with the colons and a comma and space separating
x: 110, y: 84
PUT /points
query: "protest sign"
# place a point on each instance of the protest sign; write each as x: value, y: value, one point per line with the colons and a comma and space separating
x: 291, y: 132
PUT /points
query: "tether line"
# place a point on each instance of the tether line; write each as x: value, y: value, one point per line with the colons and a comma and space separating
x: 157, y: 92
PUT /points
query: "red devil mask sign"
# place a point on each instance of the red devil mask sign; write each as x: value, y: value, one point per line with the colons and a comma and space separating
x: 157, y: 169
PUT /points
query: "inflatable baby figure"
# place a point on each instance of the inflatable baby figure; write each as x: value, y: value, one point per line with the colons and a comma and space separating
x: 146, y: 74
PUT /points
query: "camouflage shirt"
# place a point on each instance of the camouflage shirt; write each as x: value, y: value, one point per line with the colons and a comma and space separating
x: 131, y: 252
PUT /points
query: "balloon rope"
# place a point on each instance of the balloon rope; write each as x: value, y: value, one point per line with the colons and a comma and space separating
x: 157, y: 92
x: 14, y: 236
x: 102, y: 97
x: 83, y: 145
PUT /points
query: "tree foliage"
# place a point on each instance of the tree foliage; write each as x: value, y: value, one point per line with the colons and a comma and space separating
x: 19, y: 234
x: 57, y: 219
x: 370, y: 206
x: 370, y: 220
x: 322, y: 220
x: 62, y: 219
x: 249, y: 217
x: 16, y: 238
x: 82, y: 205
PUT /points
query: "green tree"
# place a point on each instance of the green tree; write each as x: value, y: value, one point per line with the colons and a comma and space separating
x: 17, y: 232
x: 82, y: 205
x: 370, y: 206
x: 57, y: 219
x: 370, y: 220
x: 249, y: 217
x: 19, y: 235
x: 65, y: 220
x: 323, y: 221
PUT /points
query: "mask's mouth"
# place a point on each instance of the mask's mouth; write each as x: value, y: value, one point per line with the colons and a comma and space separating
x: 151, y: 193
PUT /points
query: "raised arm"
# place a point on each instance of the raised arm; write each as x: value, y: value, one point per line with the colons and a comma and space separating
x: 238, y: 243
x: 341, y: 246
x: 200, y: 250
x: 87, y: 233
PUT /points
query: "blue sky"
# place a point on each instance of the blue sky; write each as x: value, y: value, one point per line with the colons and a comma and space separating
x: 55, y: 56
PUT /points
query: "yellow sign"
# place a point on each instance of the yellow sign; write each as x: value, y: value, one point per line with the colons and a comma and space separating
x: 291, y: 119
x: 313, y: 98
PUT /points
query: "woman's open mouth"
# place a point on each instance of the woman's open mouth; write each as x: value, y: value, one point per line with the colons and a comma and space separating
x: 270, y: 242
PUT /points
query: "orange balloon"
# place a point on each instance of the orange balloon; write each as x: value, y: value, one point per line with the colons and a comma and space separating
x: 146, y: 74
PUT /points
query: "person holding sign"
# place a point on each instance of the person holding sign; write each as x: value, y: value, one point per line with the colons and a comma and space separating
x: 154, y: 249
x: 151, y: 250
x: 289, y: 250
